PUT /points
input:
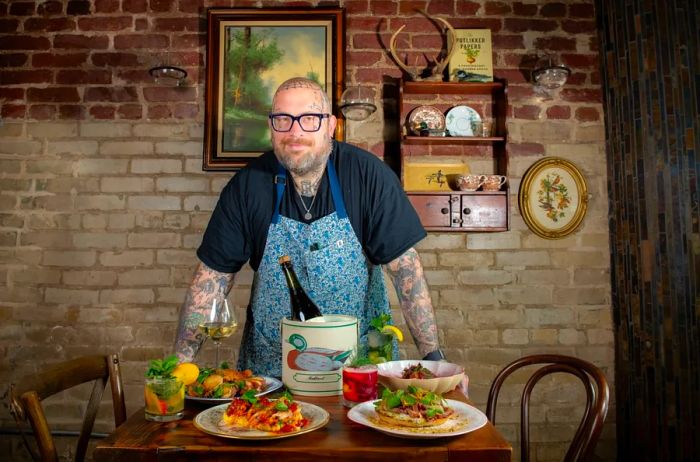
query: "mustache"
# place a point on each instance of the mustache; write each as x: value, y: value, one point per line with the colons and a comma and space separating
x: 303, y: 141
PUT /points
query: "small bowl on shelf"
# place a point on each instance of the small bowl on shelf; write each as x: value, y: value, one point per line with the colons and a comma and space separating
x: 446, y: 376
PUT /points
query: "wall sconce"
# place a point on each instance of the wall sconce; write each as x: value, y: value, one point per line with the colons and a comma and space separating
x: 549, y: 75
x: 168, y: 75
x: 357, y: 103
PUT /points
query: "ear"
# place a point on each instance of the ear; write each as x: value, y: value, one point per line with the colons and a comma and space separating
x: 332, y: 122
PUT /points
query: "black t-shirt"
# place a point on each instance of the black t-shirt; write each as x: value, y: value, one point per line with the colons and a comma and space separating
x: 383, y: 219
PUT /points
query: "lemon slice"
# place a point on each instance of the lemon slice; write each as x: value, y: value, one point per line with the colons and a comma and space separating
x: 393, y: 330
x: 187, y: 373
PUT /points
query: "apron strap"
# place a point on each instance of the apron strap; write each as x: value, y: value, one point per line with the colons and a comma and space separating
x: 336, y: 192
x: 280, y: 182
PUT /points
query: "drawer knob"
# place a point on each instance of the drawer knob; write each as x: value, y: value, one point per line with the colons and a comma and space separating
x: 467, y: 211
x: 445, y: 210
x: 457, y: 221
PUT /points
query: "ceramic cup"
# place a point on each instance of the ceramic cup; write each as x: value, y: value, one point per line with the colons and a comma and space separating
x: 494, y: 182
x: 471, y: 182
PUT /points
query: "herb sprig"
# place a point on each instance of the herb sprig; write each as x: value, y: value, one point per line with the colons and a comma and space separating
x: 162, y: 368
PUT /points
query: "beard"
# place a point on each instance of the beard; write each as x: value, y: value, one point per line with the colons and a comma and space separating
x: 300, y: 165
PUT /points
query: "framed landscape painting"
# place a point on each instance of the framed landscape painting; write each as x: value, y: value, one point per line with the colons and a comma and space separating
x: 249, y: 53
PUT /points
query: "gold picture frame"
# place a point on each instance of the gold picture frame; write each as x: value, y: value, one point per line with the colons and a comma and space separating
x: 553, y: 198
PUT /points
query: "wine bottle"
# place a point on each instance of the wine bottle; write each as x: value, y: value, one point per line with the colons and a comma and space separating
x: 303, y: 308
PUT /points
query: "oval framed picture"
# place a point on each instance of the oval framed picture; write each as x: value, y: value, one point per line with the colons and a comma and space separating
x: 553, y: 198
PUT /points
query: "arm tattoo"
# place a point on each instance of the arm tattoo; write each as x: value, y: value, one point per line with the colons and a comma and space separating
x: 205, y: 284
x: 407, y: 275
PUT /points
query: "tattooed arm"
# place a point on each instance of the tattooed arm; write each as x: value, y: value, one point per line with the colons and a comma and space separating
x: 205, y: 284
x: 407, y: 275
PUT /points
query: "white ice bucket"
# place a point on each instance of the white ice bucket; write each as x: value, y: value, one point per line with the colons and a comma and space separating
x: 313, y: 353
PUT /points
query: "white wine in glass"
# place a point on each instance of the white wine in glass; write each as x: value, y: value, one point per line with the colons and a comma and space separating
x: 220, y: 323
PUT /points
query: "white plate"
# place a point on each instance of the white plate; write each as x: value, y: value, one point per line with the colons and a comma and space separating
x: 208, y: 422
x: 465, y: 419
x: 460, y: 120
x: 271, y: 384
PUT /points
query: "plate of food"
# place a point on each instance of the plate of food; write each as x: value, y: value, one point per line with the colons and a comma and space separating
x: 259, y: 418
x: 460, y: 121
x: 426, y: 118
x: 218, y: 386
x: 417, y: 413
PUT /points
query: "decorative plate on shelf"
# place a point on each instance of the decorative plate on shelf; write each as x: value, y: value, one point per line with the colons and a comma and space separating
x: 431, y: 116
x: 460, y: 121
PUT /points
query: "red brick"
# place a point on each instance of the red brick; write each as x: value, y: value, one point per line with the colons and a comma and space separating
x: 179, y: 24
x: 11, y: 94
x: 524, y: 9
x: 24, y: 42
x: 515, y: 59
x: 48, y: 24
x: 102, y: 112
x: 576, y: 78
x: 555, y: 43
x: 160, y: 111
x: 509, y: 42
x: 134, y: 6
x: 580, y: 61
x: 13, y: 111
x: 141, y: 24
x: 353, y: 7
x: 49, y: 8
x: 92, y: 76
x: 377, y: 75
x: 441, y: 8
x: 22, y: 8
x: 553, y: 10
x: 594, y: 43
x: 383, y: 8
x: 42, y: 111
x: 106, y: 6
x: 581, y: 10
x: 470, y: 22
x: 559, y: 112
x: 186, y: 111
x: 190, y: 6
x: 157, y: 94
x: 467, y: 8
x: 58, y: 60
x: 131, y: 41
x: 71, y: 112
x: 587, y: 114
x: 108, y: 23
x: 513, y: 76
x: 362, y: 58
x: 189, y: 41
x: 366, y: 24
x: 161, y: 5
x: 525, y: 149
x: 578, y: 27
x: 115, y: 59
x: 8, y: 25
x: 184, y: 58
x: 377, y: 149
x: 129, y: 111
x: 362, y: 41
x: 527, y: 112
x: 517, y: 92
x: 78, y: 7
x: 81, y: 41
x: 581, y: 95
x: 115, y: 94
x: 136, y: 76
x: 595, y: 78
x: 410, y: 7
x: 497, y: 8
x: 530, y: 25
x: 427, y: 42
x: 26, y: 76
x: 53, y: 95
x: 3, y: 9
x: 13, y: 59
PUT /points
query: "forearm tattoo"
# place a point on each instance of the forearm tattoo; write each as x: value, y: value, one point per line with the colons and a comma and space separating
x: 205, y: 284
x: 406, y: 273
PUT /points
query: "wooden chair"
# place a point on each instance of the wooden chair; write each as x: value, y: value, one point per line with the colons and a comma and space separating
x: 26, y: 397
x: 597, y: 396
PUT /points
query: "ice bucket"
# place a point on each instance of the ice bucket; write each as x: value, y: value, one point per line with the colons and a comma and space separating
x: 313, y: 353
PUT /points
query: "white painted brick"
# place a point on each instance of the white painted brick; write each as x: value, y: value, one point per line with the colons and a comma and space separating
x: 176, y: 221
x: 71, y: 296
x: 121, y: 220
x: 515, y: 336
x: 180, y: 148
x: 109, y: 129
x: 154, y: 130
x: 170, y: 295
x: 572, y: 337
x: 49, y: 166
x: 89, y: 278
x: 590, y: 133
x: 10, y: 130
x: 217, y: 184
x: 200, y: 203
x: 176, y: 257
x: 145, y: 277
x: 522, y: 258
x: 73, y: 147
x: 545, y: 336
x: 485, y: 277
x: 440, y: 278
x: 156, y: 166
x: 546, y: 277
x: 35, y: 276
x: 180, y: 184
x: 495, y: 318
x: 547, y: 317
x: 482, y: 241
x: 467, y: 295
x: 600, y: 336
x: 537, y: 132
x: 120, y: 296
x: 154, y: 203
x: 524, y: 295
x: 94, y: 221
x: 126, y: 184
x: 442, y: 241
x: 101, y: 166
x: 127, y: 258
x: 486, y: 337
x: 193, y: 166
x: 580, y: 296
x: 532, y: 241
x: 100, y: 202
x: 69, y: 258
x: 129, y: 148
x: 99, y: 240
x: 191, y: 241
x: 154, y: 240
x: 466, y: 259
x: 52, y: 129
x: 593, y: 259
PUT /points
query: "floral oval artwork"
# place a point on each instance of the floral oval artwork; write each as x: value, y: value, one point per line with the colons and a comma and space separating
x: 553, y: 197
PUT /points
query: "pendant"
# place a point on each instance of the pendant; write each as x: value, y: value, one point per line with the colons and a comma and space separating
x: 307, y: 216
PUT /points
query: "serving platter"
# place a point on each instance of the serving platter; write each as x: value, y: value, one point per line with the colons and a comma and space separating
x: 431, y: 116
x: 209, y: 421
x: 460, y: 120
x: 466, y: 419
x: 271, y: 384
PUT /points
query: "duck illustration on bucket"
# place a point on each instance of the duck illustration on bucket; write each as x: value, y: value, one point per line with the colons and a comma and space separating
x: 303, y: 358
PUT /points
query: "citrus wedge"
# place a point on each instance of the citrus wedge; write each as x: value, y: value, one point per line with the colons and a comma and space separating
x: 394, y: 331
x: 187, y: 373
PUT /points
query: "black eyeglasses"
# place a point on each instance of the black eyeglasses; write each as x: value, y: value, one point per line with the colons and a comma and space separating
x: 309, y: 122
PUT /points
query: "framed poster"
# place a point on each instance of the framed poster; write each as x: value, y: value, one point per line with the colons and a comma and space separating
x: 553, y: 198
x: 249, y: 53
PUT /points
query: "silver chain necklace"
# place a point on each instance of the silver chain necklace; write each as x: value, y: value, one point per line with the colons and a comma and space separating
x: 307, y: 215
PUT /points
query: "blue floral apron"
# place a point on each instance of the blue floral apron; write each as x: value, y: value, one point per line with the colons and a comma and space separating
x: 331, y: 266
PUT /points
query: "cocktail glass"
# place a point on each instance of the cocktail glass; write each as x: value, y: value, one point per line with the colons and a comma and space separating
x: 165, y: 399
x: 359, y: 384
x: 379, y: 347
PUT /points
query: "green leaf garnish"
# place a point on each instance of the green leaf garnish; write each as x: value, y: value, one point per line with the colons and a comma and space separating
x: 162, y: 368
x: 250, y: 397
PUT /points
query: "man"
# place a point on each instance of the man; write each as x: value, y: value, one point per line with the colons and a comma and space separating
x: 337, y: 210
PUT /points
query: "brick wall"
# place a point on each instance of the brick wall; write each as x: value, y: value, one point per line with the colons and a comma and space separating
x: 103, y: 198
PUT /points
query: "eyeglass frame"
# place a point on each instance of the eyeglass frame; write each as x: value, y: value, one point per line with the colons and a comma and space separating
x: 297, y: 119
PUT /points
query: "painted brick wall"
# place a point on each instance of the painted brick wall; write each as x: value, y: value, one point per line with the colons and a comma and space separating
x: 103, y: 198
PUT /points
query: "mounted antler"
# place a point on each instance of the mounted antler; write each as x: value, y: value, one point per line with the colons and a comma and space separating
x: 436, y: 71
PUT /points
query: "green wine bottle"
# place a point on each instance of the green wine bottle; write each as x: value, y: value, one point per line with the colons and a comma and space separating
x: 302, y: 307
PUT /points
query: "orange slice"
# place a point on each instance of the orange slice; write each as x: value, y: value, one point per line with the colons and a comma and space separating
x: 187, y: 373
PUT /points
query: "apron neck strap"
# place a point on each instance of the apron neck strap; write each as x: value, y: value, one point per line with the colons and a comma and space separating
x: 280, y: 182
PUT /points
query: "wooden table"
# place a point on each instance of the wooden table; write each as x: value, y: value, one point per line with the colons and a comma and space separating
x: 340, y: 440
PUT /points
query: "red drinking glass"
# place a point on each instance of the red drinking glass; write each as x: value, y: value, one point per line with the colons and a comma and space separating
x: 359, y: 384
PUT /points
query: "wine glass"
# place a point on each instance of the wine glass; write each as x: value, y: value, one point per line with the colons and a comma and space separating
x: 219, y: 324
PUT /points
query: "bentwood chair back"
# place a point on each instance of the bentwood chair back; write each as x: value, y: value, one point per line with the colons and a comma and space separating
x: 597, y: 396
x: 26, y: 397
